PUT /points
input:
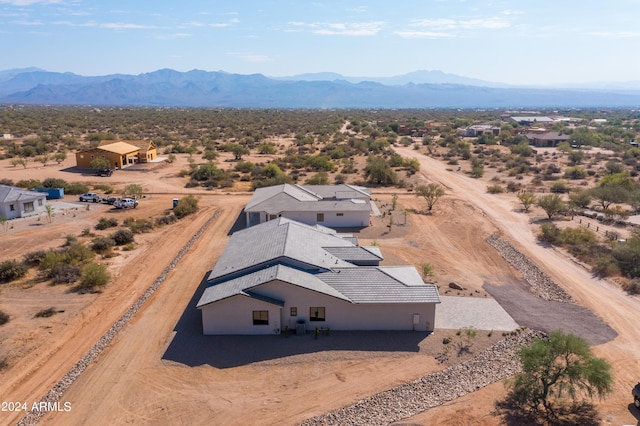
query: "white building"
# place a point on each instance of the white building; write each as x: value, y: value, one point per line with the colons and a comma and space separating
x: 274, y: 276
x: 328, y: 205
x: 18, y: 202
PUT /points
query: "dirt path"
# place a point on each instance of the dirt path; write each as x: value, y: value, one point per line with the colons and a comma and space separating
x: 607, y: 301
x: 35, y: 373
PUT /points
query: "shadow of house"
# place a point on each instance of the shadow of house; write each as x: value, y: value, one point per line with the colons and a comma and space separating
x: 190, y: 347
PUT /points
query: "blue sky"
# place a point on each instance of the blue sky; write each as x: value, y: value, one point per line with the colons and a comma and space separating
x: 515, y: 42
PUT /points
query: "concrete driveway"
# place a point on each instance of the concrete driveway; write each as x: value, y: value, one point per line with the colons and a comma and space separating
x: 481, y: 314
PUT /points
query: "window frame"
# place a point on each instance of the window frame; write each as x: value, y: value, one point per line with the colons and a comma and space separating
x: 293, y: 311
x: 258, y: 317
x: 319, y: 217
x: 317, y: 314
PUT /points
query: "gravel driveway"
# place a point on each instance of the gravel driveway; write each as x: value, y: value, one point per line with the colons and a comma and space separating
x: 546, y: 315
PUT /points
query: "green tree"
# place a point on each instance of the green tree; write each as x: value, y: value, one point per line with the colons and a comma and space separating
x: 527, y: 199
x: 59, y: 157
x: 100, y: 163
x: 609, y: 194
x: 94, y: 277
x: 552, y: 204
x: 580, y: 199
x: 320, y: 178
x: 431, y: 193
x: 50, y: 213
x: 4, y: 223
x: 379, y: 171
x: 186, y: 206
x: 133, y: 190
x: 237, y: 150
x: 563, y: 365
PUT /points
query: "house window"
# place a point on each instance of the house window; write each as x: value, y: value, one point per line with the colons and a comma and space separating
x: 316, y: 314
x: 40, y: 202
x: 339, y: 214
x: 320, y: 217
x: 260, y: 317
x: 28, y: 207
x: 272, y: 217
x: 12, y: 207
x: 294, y: 311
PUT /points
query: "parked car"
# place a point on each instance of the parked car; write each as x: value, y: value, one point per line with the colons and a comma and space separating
x: 636, y: 395
x: 110, y: 200
x: 104, y: 172
x: 90, y: 196
x: 126, y: 203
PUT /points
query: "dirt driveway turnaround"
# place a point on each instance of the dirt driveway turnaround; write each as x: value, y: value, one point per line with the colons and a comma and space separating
x: 606, y: 301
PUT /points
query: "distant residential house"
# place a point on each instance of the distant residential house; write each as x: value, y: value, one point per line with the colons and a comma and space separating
x: 18, y: 202
x: 529, y: 120
x: 479, y: 130
x: 283, y: 275
x: 546, y: 139
x: 119, y: 154
x: 327, y: 205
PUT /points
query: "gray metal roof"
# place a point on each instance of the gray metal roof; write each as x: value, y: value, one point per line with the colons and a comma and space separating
x: 376, y: 285
x: 247, y: 285
x: 279, y: 240
x: 354, y: 254
x: 9, y: 194
x: 321, y: 198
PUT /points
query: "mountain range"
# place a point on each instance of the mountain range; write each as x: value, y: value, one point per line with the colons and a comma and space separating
x: 196, y: 88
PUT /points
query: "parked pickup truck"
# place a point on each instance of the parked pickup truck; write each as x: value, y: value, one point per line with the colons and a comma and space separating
x: 90, y: 196
x: 126, y: 203
x: 636, y: 395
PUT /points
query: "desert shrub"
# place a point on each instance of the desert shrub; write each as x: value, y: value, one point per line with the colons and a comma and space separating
x: 604, y: 266
x: 94, y: 277
x: 495, y: 189
x: 166, y: 220
x: 122, y: 236
x: 74, y: 254
x: 11, y: 270
x: 576, y: 172
x: 559, y: 187
x: 45, y: 313
x: 64, y: 274
x: 29, y: 183
x: 104, y: 223
x: 245, y: 166
x: 186, y: 206
x: 54, y: 183
x: 102, y: 245
x: 76, y: 189
x: 575, y: 236
x: 69, y: 240
x: 632, y: 287
x: 4, y: 318
x: 138, y: 226
x: 107, y: 189
x: 128, y: 247
x: 549, y: 233
x: 34, y: 258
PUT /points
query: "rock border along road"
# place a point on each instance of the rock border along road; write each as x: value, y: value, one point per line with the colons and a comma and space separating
x: 59, y: 388
x: 404, y: 401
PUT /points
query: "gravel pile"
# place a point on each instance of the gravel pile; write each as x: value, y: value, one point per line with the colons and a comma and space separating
x: 495, y: 363
x: 59, y: 388
x: 541, y: 283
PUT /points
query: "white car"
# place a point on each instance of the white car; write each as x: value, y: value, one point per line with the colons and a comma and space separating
x: 126, y: 203
x: 90, y: 196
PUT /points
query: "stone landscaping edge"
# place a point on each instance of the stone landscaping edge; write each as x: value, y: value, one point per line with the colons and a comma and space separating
x: 493, y: 364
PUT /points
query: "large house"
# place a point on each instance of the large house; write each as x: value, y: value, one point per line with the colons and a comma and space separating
x: 283, y: 275
x: 18, y: 202
x: 327, y: 205
x: 119, y: 154
x: 547, y: 139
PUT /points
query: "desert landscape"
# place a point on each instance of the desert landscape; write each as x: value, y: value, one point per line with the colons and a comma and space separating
x: 154, y: 369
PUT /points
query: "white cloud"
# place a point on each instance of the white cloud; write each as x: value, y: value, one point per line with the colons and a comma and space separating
x: 123, y: 26
x: 423, y: 34
x: 28, y: 23
x: 462, y: 24
x: 339, y: 28
x: 171, y: 36
x: 29, y: 2
x: 615, y: 34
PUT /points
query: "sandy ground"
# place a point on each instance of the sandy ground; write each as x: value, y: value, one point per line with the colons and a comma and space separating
x: 159, y: 369
x: 607, y: 301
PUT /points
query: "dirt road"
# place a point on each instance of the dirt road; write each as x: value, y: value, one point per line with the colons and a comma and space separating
x: 615, y: 307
